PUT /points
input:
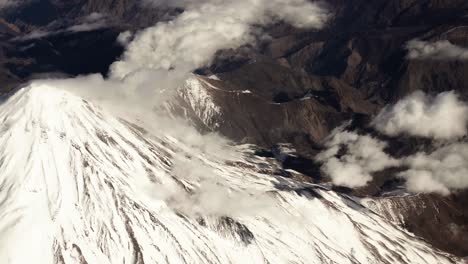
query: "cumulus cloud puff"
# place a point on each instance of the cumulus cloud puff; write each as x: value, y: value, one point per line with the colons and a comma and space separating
x: 206, y: 26
x: 364, y: 156
x: 439, y: 50
x: 124, y: 38
x: 444, y: 116
x: 441, y: 171
x: 350, y: 159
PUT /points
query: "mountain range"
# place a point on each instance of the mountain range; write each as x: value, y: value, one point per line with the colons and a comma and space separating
x: 277, y: 99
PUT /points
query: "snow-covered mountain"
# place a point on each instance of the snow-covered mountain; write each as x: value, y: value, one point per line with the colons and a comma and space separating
x: 79, y: 185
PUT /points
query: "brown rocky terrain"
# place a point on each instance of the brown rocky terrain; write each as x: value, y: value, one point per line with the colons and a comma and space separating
x: 440, y: 220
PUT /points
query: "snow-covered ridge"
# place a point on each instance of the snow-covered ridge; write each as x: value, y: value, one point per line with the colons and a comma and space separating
x: 200, y: 95
x: 81, y: 186
x: 201, y: 101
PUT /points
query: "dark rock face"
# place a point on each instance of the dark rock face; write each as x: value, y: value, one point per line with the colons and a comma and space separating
x: 39, y: 13
x: 371, y: 51
x: 265, y: 104
x: 73, y: 54
x: 294, y: 88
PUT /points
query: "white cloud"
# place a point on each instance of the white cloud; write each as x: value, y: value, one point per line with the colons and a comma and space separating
x: 439, y: 50
x: 211, y: 195
x: 86, y: 27
x: 124, y: 38
x: 445, y: 169
x: 36, y: 34
x: 192, y: 39
x: 441, y: 171
x: 441, y: 117
x: 208, y: 194
x: 91, y: 22
x: 161, y: 58
x: 136, y: 92
x: 364, y: 156
x: 95, y: 16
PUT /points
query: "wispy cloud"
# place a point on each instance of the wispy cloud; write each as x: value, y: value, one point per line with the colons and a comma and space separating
x: 192, y: 39
x: 91, y: 22
x: 439, y: 50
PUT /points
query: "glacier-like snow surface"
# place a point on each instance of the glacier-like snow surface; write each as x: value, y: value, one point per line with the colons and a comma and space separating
x: 78, y: 185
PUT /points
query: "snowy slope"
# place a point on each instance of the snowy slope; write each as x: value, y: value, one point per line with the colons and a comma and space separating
x: 80, y: 186
x: 197, y: 94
